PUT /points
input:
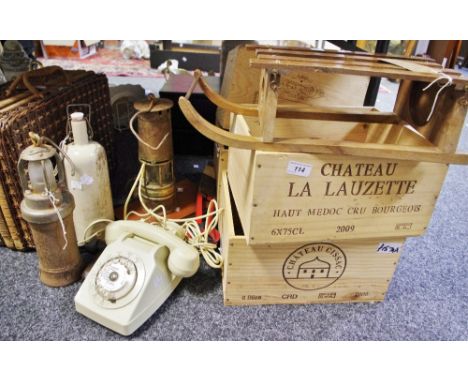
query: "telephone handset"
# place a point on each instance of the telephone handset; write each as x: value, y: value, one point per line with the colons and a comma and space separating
x: 139, y: 269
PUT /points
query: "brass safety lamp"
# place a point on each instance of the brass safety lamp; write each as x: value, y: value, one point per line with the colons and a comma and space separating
x: 48, y: 208
x: 156, y: 152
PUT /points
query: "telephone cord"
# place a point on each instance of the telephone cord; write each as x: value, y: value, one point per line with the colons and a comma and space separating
x: 194, y: 235
x: 200, y: 240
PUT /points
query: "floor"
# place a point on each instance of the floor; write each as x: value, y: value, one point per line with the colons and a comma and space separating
x: 427, y: 298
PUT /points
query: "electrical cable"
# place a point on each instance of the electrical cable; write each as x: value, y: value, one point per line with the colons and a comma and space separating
x: 200, y: 240
x: 193, y: 234
x: 151, y: 212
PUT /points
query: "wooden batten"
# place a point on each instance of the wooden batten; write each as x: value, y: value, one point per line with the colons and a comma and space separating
x: 220, y: 165
x: 304, y: 51
x: 341, y: 56
x: 374, y: 62
x: 267, y: 103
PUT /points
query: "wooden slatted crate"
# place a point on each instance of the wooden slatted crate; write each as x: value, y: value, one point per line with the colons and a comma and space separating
x: 312, y: 271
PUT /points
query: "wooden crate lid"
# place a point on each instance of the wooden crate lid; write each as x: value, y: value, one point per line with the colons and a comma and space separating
x: 298, y: 51
x: 367, y: 65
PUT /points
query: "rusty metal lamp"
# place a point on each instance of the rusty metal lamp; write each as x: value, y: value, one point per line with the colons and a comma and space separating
x: 155, y: 151
x: 48, y: 208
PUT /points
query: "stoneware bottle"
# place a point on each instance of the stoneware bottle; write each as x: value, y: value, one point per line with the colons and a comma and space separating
x: 89, y: 182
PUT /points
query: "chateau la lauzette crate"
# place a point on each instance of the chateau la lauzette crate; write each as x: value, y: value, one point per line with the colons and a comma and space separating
x: 313, y: 271
x: 291, y: 197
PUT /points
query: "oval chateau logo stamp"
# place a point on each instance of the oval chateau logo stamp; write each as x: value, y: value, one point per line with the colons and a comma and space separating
x: 314, y: 266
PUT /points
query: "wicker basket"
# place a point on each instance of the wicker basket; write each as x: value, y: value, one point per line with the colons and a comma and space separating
x: 44, y: 111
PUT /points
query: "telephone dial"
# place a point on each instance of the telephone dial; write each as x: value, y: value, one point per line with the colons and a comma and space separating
x: 139, y: 269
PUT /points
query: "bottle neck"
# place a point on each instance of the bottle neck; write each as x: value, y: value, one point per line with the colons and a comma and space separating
x: 80, y: 132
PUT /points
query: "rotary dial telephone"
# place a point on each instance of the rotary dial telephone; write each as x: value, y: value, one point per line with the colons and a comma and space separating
x: 139, y: 269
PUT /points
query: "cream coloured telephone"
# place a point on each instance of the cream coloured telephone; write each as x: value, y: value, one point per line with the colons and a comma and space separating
x: 139, y: 269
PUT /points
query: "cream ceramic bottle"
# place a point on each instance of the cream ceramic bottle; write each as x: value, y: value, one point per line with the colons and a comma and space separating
x: 90, y: 184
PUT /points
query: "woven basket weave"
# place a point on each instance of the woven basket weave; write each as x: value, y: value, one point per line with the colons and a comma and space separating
x: 46, y: 116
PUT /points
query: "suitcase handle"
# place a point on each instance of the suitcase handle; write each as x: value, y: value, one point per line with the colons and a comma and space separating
x: 43, y: 74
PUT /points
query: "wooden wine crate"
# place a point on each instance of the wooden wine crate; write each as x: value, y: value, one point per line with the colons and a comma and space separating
x: 292, y: 197
x: 313, y: 271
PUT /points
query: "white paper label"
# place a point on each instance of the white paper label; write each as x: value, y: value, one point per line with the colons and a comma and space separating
x: 298, y: 168
x: 75, y: 184
x: 389, y: 248
x: 85, y: 180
